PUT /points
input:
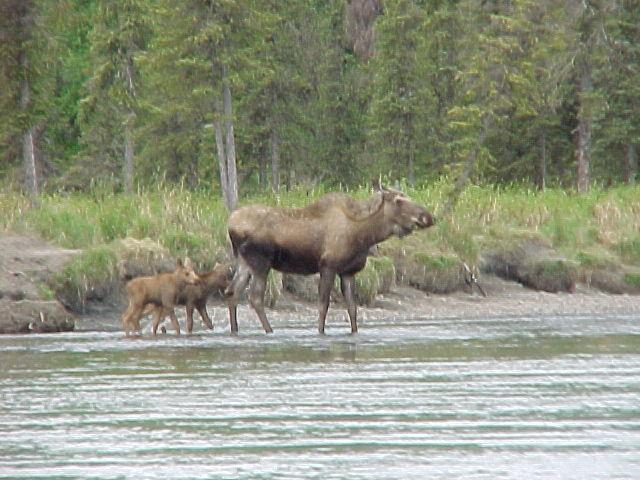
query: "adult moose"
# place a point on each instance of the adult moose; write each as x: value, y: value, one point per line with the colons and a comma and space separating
x: 331, y: 236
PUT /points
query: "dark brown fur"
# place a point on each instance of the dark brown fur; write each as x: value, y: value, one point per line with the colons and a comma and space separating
x: 331, y: 236
x: 195, y: 296
x: 159, y: 290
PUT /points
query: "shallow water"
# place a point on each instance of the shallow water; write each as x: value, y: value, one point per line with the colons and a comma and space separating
x: 495, y: 398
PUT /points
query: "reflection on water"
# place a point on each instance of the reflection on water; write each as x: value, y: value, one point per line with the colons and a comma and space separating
x: 513, y: 398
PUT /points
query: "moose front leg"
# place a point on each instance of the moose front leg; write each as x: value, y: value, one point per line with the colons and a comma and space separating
x: 189, y: 318
x: 324, y: 295
x: 257, y: 288
x: 347, y: 287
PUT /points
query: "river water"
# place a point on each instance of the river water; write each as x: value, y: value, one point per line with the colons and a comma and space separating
x: 492, y: 398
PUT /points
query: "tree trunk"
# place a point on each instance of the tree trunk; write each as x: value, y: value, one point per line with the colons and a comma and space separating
x: 128, y: 156
x: 222, y: 158
x: 409, y: 150
x: 29, y: 161
x: 584, y: 130
x: 28, y: 138
x: 128, y: 127
x: 630, y: 164
x: 542, y: 163
x: 275, y: 161
x: 230, y: 146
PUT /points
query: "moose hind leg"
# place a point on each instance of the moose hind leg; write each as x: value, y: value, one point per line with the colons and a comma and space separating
x: 158, y: 317
x: 202, y: 310
x: 324, y: 295
x: 347, y: 287
x: 256, y: 298
x: 233, y: 292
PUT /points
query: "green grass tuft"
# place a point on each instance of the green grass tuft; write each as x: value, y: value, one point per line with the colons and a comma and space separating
x: 632, y: 279
x: 90, y: 275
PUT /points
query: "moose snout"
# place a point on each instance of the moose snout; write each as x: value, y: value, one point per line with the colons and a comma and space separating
x: 425, y: 220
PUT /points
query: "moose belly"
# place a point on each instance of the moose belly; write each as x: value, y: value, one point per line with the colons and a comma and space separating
x: 290, y: 261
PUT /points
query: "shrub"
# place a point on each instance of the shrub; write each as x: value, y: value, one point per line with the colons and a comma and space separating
x: 629, y: 250
x: 91, y: 275
x: 431, y: 273
x: 549, y: 276
x: 632, y: 279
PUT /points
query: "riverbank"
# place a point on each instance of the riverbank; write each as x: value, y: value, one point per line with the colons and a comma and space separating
x: 28, y: 303
x: 68, y: 255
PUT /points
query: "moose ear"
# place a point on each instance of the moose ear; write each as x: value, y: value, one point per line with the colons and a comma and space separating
x: 179, y: 262
x: 376, y: 185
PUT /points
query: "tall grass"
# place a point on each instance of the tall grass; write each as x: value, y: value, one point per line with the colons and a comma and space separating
x: 603, y: 223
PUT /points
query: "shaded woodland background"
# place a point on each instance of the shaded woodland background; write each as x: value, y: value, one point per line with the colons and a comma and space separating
x: 248, y: 95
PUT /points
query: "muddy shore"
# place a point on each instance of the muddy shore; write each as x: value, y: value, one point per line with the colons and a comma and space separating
x: 26, y: 263
x: 504, y: 299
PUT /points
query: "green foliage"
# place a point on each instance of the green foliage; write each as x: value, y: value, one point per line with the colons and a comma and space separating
x: 550, y: 276
x: 367, y: 282
x: 485, y: 88
x: 68, y: 228
x: 629, y: 250
x: 632, y: 279
x: 90, y: 275
x: 595, y: 260
x: 435, y: 262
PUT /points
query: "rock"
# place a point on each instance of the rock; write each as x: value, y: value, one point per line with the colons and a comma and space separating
x: 532, y: 262
x: 34, y: 316
x: 138, y: 258
x: 432, y: 273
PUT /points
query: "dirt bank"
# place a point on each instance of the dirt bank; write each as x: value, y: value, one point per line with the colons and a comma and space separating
x: 26, y: 304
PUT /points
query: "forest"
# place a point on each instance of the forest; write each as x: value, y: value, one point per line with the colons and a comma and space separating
x: 246, y: 96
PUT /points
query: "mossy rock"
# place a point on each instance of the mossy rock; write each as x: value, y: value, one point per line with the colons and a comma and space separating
x: 613, y: 281
x: 433, y: 273
x: 90, y: 276
x: 596, y: 261
x: 632, y: 279
x: 549, y: 276
x: 532, y: 262
x: 141, y: 258
x: 97, y: 274
x: 629, y: 250
x: 38, y: 316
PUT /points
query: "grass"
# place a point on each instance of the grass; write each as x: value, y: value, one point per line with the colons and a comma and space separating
x: 600, y: 228
x: 632, y: 279
x: 91, y: 274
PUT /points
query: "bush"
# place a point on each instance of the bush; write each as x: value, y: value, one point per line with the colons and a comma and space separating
x: 632, y: 279
x: 629, y: 250
x: 91, y: 275
x: 431, y: 273
x: 549, y: 275
x: 386, y: 271
x: 367, y: 282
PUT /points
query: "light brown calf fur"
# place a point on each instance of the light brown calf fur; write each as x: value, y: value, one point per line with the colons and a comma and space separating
x: 196, y: 295
x: 159, y: 290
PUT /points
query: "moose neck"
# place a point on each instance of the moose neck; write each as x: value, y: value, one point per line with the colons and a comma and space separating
x: 374, y: 229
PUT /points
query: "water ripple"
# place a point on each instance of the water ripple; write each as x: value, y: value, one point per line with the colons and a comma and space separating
x: 496, y: 398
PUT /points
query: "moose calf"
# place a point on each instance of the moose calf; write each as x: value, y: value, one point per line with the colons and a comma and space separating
x: 196, y: 295
x: 160, y: 291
